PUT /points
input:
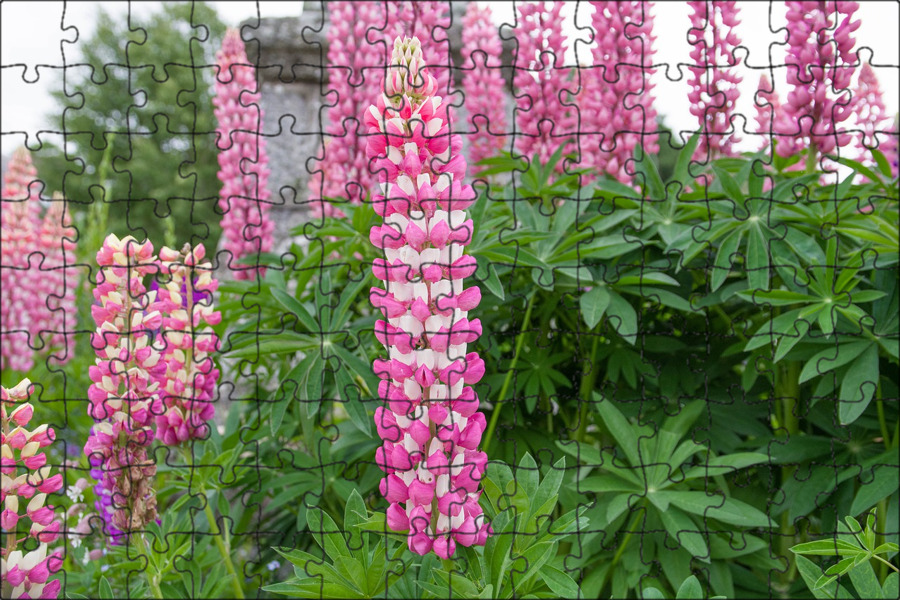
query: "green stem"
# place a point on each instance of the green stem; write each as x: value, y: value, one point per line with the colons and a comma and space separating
x: 621, y: 549
x: 224, y: 550
x: 887, y: 563
x: 718, y: 310
x: 811, y: 158
x: 882, y: 421
x: 787, y: 390
x: 587, y: 386
x: 151, y: 575
x: 880, y: 525
x: 509, y: 373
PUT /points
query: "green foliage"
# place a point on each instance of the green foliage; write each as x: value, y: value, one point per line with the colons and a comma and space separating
x: 139, y: 141
x: 855, y: 547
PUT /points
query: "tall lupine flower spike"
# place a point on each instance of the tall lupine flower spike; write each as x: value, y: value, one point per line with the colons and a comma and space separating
x: 187, y: 390
x: 54, y: 315
x: 768, y: 107
x: 26, y: 484
x: 19, y: 222
x: 889, y: 145
x: 871, y: 115
x: 430, y: 422
x: 125, y: 380
x: 483, y: 83
x: 243, y: 162
x: 618, y: 106
x: 430, y: 21
x: 714, y: 82
x: 819, y: 72
x: 543, y: 115
x: 355, y: 77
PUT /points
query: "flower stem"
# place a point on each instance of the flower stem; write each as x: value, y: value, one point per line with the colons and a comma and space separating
x: 509, y: 373
x: 152, y: 576
x: 224, y: 550
x: 587, y: 386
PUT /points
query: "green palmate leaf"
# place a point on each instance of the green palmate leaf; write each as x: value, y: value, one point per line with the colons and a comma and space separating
x: 327, y: 534
x: 106, y: 592
x: 623, y: 317
x: 831, y: 358
x: 811, y: 573
x: 619, y: 427
x: 353, y: 401
x: 722, y: 265
x: 891, y: 587
x: 548, y: 488
x: 884, y: 483
x: 651, y: 593
x: 594, y: 304
x: 728, y: 183
x: 757, y: 264
x: 560, y: 583
x: 865, y: 581
x: 689, y: 589
x: 727, y: 510
x: 831, y: 547
x: 723, y: 465
x: 296, y: 308
x: 858, y: 386
x: 685, y: 532
x: 685, y: 156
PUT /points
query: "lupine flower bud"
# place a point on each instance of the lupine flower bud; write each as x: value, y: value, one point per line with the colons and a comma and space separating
x: 187, y: 388
x: 483, y: 83
x: 25, y: 572
x: 425, y: 308
x: 243, y: 161
x: 126, y: 378
x: 613, y: 122
x: 713, y: 81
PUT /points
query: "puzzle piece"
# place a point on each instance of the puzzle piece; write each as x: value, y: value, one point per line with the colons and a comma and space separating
x: 624, y: 345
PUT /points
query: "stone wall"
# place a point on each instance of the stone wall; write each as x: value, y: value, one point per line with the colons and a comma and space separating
x: 291, y: 53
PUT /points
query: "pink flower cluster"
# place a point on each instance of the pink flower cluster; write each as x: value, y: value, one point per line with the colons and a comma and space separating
x: 430, y: 425
x: 871, y: 114
x: 713, y: 80
x: 427, y: 20
x: 617, y: 110
x: 483, y: 84
x: 544, y: 116
x: 38, y: 305
x: 187, y: 389
x: 820, y: 67
x: 767, y: 104
x: 26, y: 476
x: 355, y: 78
x: 125, y: 379
x: 243, y: 162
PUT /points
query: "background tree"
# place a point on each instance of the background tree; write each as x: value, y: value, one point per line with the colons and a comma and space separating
x: 139, y: 128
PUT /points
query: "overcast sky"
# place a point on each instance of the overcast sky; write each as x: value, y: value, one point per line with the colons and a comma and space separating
x: 32, y: 35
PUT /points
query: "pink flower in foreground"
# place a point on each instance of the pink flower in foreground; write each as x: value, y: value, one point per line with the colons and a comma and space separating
x: 430, y: 422
x: 617, y: 112
x: 27, y: 483
x: 125, y: 379
x: 19, y: 223
x: 544, y: 115
x: 243, y: 162
x: 820, y: 66
x: 713, y: 80
x: 483, y: 83
x: 187, y: 389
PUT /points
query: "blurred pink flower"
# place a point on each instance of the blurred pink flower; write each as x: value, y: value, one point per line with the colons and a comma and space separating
x: 243, y: 162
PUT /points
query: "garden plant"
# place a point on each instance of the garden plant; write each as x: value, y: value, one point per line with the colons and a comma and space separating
x: 525, y: 341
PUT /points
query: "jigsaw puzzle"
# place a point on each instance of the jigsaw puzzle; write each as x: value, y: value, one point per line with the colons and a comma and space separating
x: 450, y: 300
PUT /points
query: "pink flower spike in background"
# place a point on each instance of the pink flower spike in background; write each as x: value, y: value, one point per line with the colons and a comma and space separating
x: 544, y: 117
x: 19, y: 223
x: 26, y: 492
x: 820, y: 65
x: 243, y: 162
x: 483, y: 83
x: 618, y: 108
x: 430, y: 421
x: 871, y: 114
x: 713, y: 81
x: 768, y: 106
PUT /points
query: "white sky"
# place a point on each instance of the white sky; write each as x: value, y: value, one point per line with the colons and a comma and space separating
x: 32, y: 35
